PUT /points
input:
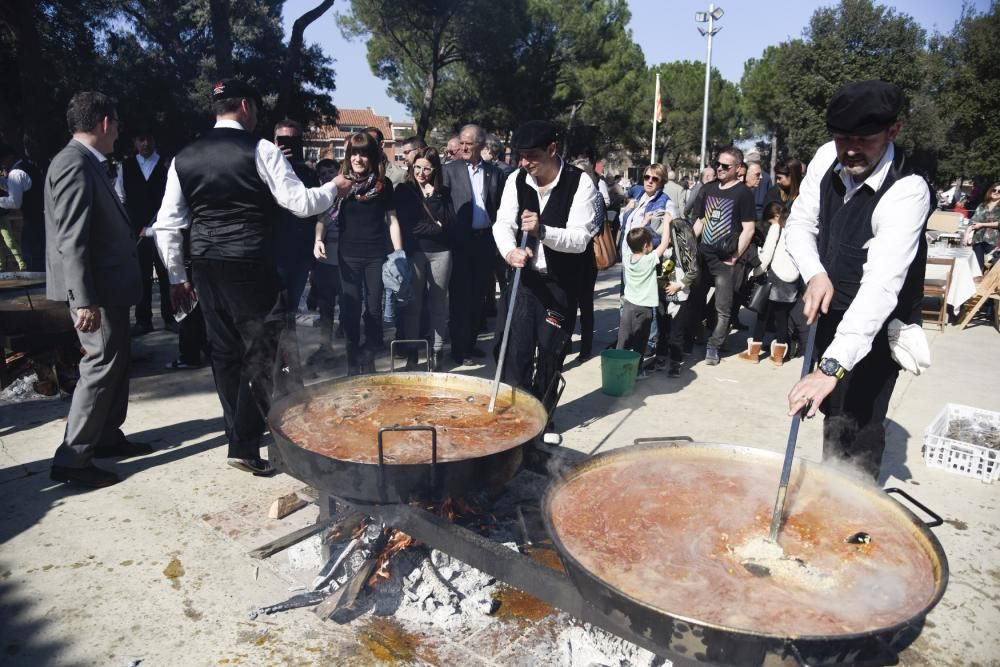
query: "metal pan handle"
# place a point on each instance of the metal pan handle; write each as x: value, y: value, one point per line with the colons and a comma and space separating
x: 931, y: 524
x: 381, y: 451
x: 417, y: 341
x: 666, y: 439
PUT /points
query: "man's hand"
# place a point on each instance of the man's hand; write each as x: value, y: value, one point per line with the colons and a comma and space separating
x: 88, y: 319
x: 730, y: 262
x: 181, y: 296
x: 319, y: 249
x: 674, y: 287
x: 530, y: 223
x: 287, y: 152
x: 343, y: 184
x: 518, y: 257
x: 814, y: 387
x: 819, y: 294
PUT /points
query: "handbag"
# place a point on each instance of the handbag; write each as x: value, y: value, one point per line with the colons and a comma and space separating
x: 759, y: 295
x: 605, y: 252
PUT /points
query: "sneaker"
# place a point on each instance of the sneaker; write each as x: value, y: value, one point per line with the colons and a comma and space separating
x: 140, y: 329
x: 712, y: 356
x: 642, y: 375
x: 181, y: 365
x: 660, y: 363
x: 674, y: 371
x: 258, y: 467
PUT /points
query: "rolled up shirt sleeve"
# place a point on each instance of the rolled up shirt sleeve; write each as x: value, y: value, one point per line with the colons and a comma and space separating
x: 898, y: 223
x: 277, y: 173
x: 802, y: 227
x: 173, y: 217
x: 505, y: 228
x: 581, y: 224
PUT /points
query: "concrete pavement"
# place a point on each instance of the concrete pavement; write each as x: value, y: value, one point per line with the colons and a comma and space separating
x: 155, y: 568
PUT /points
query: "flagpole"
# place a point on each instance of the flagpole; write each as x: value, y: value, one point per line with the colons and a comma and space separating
x: 656, y: 101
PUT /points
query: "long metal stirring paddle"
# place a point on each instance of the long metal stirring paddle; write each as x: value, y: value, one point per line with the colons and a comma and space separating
x: 786, y: 469
x: 506, y: 330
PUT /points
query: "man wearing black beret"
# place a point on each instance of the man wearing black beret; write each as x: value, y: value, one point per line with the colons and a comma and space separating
x: 227, y: 186
x: 856, y: 233
x: 557, y: 208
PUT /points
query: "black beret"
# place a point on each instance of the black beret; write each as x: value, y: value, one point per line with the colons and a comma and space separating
x: 535, y: 134
x: 235, y: 88
x: 864, y: 107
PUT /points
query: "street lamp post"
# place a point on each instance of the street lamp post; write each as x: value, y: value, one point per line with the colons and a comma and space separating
x: 711, y: 16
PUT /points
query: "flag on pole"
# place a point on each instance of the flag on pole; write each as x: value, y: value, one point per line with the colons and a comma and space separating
x: 658, y: 105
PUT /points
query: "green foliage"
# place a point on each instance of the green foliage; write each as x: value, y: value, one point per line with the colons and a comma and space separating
x: 683, y: 90
x: 157, y: 57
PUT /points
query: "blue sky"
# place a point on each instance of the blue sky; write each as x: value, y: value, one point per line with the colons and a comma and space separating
x: 665, y: 29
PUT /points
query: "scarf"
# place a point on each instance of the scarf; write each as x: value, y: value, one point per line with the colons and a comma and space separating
x: 364, y: 190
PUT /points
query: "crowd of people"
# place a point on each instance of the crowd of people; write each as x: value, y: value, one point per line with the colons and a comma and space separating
x: 243, y: 230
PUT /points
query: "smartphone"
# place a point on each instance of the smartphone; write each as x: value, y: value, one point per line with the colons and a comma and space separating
x: 294, y: 144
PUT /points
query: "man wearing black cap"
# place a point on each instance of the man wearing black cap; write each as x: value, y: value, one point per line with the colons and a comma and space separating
x: 556, y: 206
x: 856, y: 233
x: 227, y: 186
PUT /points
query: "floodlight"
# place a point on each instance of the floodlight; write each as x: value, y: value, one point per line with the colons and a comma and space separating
x: 701, y: 17
x: 717, y: 14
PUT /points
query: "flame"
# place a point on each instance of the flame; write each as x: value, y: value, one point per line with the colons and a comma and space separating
x: 397, y: 542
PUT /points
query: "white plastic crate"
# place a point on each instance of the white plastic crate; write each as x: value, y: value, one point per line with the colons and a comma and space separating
x: 945, y: 446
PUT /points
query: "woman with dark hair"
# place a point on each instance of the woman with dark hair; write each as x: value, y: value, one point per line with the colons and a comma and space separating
x: 425, y: 213
x: 585, y: 295
x: 788, y: 178
x: 985, y: 222
x: 362, y: 217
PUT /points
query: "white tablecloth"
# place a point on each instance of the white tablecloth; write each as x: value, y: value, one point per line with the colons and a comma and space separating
x: 963, y: 285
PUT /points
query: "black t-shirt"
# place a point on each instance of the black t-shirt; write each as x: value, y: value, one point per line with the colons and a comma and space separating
x: 724, y: 211
x: 364, y: 232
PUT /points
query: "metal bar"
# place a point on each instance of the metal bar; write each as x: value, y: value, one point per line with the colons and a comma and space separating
x: 510, y: 567
x: 793, y: 435
x: 434, y: 449
x: 506, y: 329
x: 936, y: 520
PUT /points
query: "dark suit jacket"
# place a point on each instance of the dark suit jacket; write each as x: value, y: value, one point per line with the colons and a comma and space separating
x: 457, y: 180
x: 90, y: 254
x: 142, y: 197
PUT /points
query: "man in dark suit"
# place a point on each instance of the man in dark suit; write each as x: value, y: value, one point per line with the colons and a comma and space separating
x: 91, y: 264
x: 475, y: 188
x: 145, y: 177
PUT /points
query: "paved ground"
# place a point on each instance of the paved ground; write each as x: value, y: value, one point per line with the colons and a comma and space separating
x: 155, y: 569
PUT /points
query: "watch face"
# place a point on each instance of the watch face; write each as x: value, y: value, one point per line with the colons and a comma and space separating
x: 829, y: 366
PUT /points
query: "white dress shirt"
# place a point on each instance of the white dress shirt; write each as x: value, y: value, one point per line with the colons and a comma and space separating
x: 16, y: 183
x: 581, y: 225
x: 276, y: 172
x: 147, y: 164
x: 897, y: 222
x: 480, y: 219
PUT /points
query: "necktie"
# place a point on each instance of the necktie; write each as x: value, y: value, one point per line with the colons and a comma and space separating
x: 112, y: 169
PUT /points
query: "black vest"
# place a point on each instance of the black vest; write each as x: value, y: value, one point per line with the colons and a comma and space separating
x: 232, y: 209
x: 142, y: 197
x: 844, y: 229
x: 566, y: 268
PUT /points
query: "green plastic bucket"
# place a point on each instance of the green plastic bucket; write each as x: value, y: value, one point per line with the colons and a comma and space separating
x: 618, y: 371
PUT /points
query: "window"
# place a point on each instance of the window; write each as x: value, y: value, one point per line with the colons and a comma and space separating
x: 338, y: 153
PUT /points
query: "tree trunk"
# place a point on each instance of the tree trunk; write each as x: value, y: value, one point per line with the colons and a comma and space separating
x: 774, y: 152
x: 20, y: 16
x: 294, y: 56
x: 427, y: 104
x: 222, y: 37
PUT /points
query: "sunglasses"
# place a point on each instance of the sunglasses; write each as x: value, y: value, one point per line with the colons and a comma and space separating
x: 650, y: 177
x: 723, y: 166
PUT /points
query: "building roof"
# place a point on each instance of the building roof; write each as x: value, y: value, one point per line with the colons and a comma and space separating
x: 351, y: 118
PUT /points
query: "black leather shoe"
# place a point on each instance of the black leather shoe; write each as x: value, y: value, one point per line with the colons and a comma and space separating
x: 258, y: 466
x: 139, y: 329
x: 123, y: 449
x: 92, y: 476
x: 172, y: 326
x: 476, y: 353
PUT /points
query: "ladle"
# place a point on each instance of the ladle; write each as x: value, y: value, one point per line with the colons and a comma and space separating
x: 506, y: 329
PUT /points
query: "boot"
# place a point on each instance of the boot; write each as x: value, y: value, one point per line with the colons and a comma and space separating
x: 778, y: 352
x: 353, y: 360
x: 752, y: 353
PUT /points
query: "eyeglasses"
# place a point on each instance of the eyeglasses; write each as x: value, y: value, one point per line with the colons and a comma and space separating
x: 995, y: 190
x: 650, y: 177
x: 423, y: 170
x: 723, y: 166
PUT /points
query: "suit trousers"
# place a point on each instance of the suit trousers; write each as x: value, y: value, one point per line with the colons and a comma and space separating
x: 854, y: 414
x: 149, y: 260
x: 244, y: 314
x: 471, y: 284
x: 100, y: 400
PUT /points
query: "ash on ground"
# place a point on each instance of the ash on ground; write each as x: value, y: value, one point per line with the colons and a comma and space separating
x: 432, y: 595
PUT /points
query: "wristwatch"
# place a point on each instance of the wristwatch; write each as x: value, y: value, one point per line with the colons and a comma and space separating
x: 830, y: 366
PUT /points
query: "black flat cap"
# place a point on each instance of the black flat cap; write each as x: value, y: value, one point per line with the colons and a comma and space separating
x: 235, y: 88
x: 535, y: 134
x: 864, y: 107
